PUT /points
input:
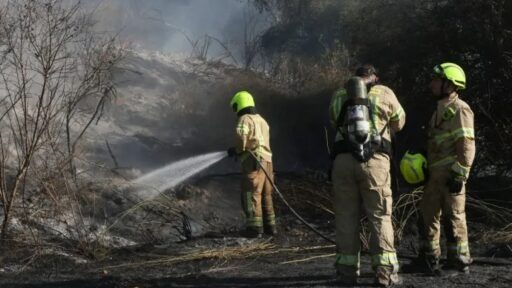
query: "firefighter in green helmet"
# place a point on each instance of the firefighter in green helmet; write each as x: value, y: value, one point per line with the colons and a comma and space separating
x: 252, y: 135
x: 450, y: 154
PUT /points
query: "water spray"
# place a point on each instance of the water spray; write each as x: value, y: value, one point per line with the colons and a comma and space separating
x: 173, y: 174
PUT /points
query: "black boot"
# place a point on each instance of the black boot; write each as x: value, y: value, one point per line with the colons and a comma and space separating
x: 346, y: 275
x: 461, y: 264
x: 271, y: 230
x: 432, y: 265
x: 253, y: 232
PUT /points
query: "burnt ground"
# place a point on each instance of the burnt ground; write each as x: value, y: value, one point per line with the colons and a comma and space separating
x: 294, y: 258
x: 260, y: 271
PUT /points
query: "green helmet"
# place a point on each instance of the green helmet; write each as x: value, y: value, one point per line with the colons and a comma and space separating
x: 241, y: 100
x: 452, y: 72
x: 413, y: 167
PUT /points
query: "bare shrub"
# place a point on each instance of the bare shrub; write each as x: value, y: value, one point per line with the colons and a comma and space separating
x: 55, y: 77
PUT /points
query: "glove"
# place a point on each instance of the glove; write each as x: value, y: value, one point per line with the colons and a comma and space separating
x: 232, y: 152
x: 455, y: 184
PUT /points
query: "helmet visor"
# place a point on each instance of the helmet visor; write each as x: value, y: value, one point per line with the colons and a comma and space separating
x: 438, y: 72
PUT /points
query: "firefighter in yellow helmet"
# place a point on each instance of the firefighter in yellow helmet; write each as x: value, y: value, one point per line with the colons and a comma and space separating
x: 252, y: 134
x: 364, y: 114
x: 450, y: 154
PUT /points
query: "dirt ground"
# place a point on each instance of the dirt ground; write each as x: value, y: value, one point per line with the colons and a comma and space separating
x: 222, y: 258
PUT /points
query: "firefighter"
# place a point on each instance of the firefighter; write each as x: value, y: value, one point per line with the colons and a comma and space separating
x: 365, y: 114
x: 252, y: 135
x: 450, y: 154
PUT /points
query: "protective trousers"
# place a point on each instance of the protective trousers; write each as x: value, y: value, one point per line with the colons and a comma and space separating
x: 368, y: 186
x: 438, y: 200
x: 257, y: 194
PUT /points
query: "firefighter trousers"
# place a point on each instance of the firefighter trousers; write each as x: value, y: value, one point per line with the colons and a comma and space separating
x: 438, y: 202
x: 257, y: 194
x: 363, y: 187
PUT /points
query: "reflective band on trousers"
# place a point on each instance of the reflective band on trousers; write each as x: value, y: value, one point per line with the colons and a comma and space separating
x: 255, y: 221
x: 348, y: 260
x: 460, y: 169
x: 460, y: 248
x: 386, y: 259
x: 432, y: 245
x: 270, y: 220
x: 445, y: 161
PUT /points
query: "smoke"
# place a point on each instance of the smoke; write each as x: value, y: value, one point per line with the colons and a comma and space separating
x: 180, y: 25
x: 170, y: 108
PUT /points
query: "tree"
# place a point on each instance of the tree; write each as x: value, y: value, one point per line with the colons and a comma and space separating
x: 405, y: 39
x: 55, y: 77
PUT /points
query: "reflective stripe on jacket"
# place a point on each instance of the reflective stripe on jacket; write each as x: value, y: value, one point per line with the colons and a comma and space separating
x: 451, y: 136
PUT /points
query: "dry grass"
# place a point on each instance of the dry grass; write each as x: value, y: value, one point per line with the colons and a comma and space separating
x: 405, y: 208
x: 309, y: 258
x: 501, y: 236
x: 493, y: 213
x: 224, y: 253
x: 308, y: 193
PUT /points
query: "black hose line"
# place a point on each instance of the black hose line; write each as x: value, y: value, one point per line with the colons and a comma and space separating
x: 288, y: 205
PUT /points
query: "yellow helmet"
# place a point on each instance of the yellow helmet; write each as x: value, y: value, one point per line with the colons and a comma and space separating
x: 241, y: 100
x: 413, y: 167
x: 453, y: 72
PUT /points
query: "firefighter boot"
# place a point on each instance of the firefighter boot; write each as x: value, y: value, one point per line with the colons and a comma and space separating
x: 459, y: 263
x: 270, y: 230
x: 432, y: 265
x: 386, y: 277
x: 253, y: 232
x: 347, y: 275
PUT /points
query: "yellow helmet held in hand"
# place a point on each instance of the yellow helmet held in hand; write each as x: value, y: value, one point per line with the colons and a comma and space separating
x: 413, y: 167
x: 241, y: 100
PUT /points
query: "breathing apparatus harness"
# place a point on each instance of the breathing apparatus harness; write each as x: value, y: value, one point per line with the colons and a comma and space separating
x: 356, y: 124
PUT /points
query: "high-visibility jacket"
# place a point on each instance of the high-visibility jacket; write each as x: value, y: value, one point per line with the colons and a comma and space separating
x: 253, y: 134
x: 451, y: 136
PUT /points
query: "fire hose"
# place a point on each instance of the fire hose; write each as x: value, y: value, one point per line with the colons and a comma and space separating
x: 288, y: 205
